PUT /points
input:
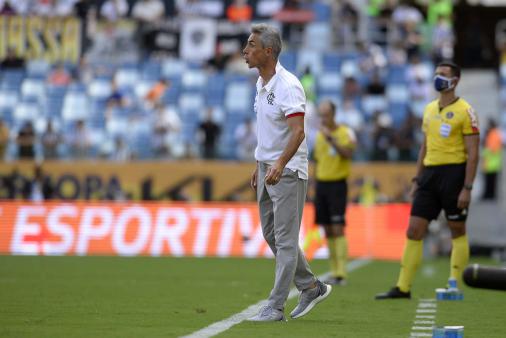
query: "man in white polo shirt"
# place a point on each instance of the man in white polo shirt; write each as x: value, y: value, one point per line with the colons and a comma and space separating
x: 280, y: 178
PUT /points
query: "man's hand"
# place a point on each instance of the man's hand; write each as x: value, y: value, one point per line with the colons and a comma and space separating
x: 273, y: 174
x: 464, y: 199
x: 253, y: 180
x: 326, y: 132
x: 412, y: 191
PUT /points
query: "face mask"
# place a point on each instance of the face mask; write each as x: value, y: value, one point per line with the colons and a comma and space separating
x: 443, y: 83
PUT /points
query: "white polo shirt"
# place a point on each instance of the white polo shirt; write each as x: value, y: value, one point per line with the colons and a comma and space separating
x: 283, y: 97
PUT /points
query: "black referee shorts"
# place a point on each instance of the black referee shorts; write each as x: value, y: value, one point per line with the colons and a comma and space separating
x: 330, y: 202
x: 438, y: 189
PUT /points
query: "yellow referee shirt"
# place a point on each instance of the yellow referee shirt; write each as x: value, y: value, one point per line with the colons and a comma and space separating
x: 445, y: 130
x: 330, y: 166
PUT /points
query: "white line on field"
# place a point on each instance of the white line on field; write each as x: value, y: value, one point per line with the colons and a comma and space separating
x: 221, y: 326
x: 424, y: 306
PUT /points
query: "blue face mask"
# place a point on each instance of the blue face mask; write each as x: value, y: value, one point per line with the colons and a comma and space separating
x: 442, y: 83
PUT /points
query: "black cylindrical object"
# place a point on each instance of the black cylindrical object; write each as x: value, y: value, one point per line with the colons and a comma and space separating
x: 485, y: 277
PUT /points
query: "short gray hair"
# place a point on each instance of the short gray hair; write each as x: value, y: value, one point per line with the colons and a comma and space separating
x: 269, y: 37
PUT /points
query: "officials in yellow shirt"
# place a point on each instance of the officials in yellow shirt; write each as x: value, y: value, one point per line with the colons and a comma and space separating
x: 334, y: 146
x: 446, y: 169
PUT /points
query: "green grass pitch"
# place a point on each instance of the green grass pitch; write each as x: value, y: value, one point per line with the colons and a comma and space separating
x: 169, y: 297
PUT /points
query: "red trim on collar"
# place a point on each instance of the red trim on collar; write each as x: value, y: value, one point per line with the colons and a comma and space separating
x: 295, y: 114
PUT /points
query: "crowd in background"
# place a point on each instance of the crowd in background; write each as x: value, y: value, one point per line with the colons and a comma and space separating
x: 390, y: 32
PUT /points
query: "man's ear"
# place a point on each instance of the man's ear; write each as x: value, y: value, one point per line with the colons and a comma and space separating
x: 268, y: 51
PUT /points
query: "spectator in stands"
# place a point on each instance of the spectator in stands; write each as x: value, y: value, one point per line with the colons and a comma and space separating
x: 443, y: 41
x: 236, y: 65
x: 350, y: 116
x: 383, y: 22
x: 51, y: 8
x: 79, y: 141
x: 209, y: 133
x: 396, y: 53
x: 121, y: 152
x: 26, y: 142
x: 346, y: 21
x: 437, y: 9
x: 50, y: 140
x: 196, y: 8
x: 246, y: 140
x: 351, y: 89
x: 308, y: 82
x: 420, y: 92
x: 167, y: 126
x: 40, y: 187
x: 4, y: 139
x: 376, y: 86
x: 239, y: 11
x: 382, y: 136
x: 117, y: 98
x: 12, y: 61
x: 114, y: 10
x: 405, y: 138
x: 156, y: 93
x: 59, y: 76
x: 148, y: 11
x: 7, y: 8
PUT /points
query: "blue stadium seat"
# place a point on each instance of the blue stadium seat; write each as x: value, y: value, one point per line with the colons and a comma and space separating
x: 372, y: 103
x: 8, y: 99
x: 329, y: 82
x: 37, y: 68
x: 288, y: 59
x: 397, y: 93
x: 34, y: 88
x: 99, y: 89
x: 191, y: 102
x: 173, y: 67
x: 215, y: 91
x: 332, y: 62
x: 318, y: 36
x: 396, y: 74
x: 26, y: 112
x: 194, y: 80
x: 127, y: 78
x: 75, y: 106
x: 151, y: 70
x: 398, y: 112
x: 238, y: 96
x: 322, y: 11
x: 311, y: 59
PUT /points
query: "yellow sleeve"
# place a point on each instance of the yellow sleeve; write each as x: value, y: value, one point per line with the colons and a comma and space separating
x: 424, y: 122
x: 317, y: 146
x: 470, y: 125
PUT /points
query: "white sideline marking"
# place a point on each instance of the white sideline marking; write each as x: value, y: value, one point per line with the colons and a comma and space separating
x: 424, y: 306
x: 221, y: 326
x: 421, y: 328
x: 420, y: 334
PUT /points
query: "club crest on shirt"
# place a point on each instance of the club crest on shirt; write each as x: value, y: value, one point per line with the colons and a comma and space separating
x: 449, y: 115
x: 270, y: 98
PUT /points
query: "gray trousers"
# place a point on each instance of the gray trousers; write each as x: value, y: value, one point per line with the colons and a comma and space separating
x: 281, y: 208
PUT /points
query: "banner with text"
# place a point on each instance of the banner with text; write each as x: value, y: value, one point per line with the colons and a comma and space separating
x: 53, y: 39
x: 182, y: 229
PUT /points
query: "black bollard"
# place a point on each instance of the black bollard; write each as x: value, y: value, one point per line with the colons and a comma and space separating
x: 485, y: 277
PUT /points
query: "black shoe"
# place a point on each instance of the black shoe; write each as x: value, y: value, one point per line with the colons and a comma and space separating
x: 393, y: 293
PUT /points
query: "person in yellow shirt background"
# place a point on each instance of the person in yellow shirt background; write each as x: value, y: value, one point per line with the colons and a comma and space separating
x: 446, y: 168
x: 333, y: 150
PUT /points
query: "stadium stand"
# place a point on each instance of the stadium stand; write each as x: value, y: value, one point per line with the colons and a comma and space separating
x: 27, y: 95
